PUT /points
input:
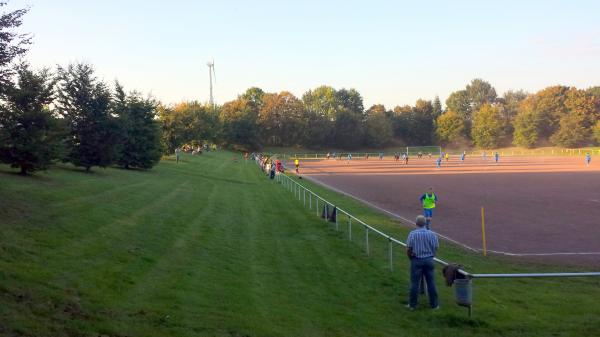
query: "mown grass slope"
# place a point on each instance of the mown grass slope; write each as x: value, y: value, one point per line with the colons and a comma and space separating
x: 210, y: 247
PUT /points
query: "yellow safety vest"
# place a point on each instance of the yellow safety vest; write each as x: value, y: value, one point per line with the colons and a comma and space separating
x: 429, y: 201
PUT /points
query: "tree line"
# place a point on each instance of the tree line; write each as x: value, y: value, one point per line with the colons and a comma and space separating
x: 328, y: 118
x: 68, y: 114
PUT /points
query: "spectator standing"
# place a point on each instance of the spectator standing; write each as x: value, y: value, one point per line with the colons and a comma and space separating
x: 421, y: 247
x: 177, y: 152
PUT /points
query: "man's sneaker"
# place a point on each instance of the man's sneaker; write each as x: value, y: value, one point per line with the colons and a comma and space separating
x: 436, y: 308
x: 409, y: 307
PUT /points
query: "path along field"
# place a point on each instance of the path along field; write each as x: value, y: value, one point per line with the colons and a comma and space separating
x: 211, y: 247
x: 533, y: 205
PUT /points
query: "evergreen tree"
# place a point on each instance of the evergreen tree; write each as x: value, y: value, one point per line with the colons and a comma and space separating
x: 84, y: 103
x: 29, y: 136
x: 139, y: 134
x: 12, y: 44
x: 437, y: 107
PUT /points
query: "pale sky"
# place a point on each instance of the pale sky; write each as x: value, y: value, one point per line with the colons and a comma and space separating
x: 392, y: 52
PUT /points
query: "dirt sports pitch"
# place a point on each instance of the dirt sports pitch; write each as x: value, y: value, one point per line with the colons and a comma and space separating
x: 543, y: 208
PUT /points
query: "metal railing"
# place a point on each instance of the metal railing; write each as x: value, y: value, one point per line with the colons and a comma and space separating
x: 311, y: 198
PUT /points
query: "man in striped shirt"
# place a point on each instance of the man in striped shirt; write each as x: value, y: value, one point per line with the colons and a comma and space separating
x: 421, y: 247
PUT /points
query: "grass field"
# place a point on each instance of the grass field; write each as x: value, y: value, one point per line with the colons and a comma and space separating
x: 210, y: 247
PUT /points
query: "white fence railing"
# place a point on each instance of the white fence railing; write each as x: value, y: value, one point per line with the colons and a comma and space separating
x: 471, y: 153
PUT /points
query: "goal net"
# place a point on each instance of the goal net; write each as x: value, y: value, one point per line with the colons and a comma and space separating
x: 424, y: 150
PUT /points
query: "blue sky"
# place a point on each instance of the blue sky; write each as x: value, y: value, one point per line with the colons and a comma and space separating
x: 392, y: 52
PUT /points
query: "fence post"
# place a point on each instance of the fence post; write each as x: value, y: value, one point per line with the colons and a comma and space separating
x: 367, y: 239
x: 349, y: 228
x: 391, y: 254
x: 304, y: 197
x: 310, y: 201
x: 337, y: 226
x: 317, y: 201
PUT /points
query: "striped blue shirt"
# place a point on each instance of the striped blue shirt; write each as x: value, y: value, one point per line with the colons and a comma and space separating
x: 423, y: 243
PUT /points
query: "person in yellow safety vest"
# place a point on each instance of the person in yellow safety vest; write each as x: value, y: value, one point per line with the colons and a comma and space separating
x: 428, y: 200
x: 297, y: 164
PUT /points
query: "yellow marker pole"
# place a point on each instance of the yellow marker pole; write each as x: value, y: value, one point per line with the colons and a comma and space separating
x: 483, y: 231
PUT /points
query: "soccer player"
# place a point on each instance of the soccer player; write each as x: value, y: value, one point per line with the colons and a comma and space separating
x: 462, y: 157
x: 380, y: 155
x: 438, y: 162
x: 428, y: 200
x: 588, y: 159
x: 447, y: 156
x: 297, y: 164
x: 496, y: 157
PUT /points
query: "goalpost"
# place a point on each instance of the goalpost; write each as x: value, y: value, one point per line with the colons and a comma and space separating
x: 425, y: 150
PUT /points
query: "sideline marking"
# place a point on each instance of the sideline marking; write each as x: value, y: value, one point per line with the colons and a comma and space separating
x: 443, y: 236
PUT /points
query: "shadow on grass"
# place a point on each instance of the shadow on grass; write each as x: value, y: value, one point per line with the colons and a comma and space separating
x: 37, y: 175
x: 458, y: 321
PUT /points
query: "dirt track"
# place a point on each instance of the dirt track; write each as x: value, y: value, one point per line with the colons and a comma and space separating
x: 533, y: 205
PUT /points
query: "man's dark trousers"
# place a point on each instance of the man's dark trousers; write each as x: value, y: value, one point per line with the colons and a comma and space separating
x: 422, y: 268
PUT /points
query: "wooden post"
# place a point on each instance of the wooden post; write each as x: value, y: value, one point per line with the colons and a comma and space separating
x: 483, y: 231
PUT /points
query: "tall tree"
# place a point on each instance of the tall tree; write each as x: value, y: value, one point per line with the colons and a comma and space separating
x: 583, y: 110
x: 348, y: 130
x: 378, y: 127
x: 526, y: 127
x: 282, y: 119
x: 510, y: 104
x: 487, y: 127
x: 139, y: 133
x: 254, y: 97
x: 480, y: 92
x: 460, y: 103
x: 596, y: 132
x: 12, y: 44
x: 324, y: 105
x: 594, y: 91
x: 450, y: 128
x: 572, y: 131
x: 350, y: 100
x: 84, y: 103
x: 29, y: 136
x: 437, y: 107
x: 322, y: 101
x: 402, y: 122
x: 423, y: 123
x: 240, y: 124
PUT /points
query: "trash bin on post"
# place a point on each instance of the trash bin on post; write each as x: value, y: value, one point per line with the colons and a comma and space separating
x: 463, y: 291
